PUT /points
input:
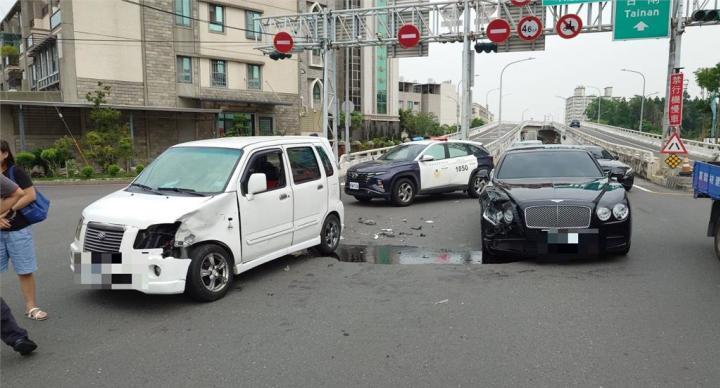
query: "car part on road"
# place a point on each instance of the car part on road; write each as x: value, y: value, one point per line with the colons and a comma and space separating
x: 391, y: 254
x: 477, y: 183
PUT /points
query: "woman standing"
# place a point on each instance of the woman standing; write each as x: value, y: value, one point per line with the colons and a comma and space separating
x: 16, y: 242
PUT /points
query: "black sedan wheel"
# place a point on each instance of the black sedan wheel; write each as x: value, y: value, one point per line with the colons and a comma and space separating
x: 403, y: 192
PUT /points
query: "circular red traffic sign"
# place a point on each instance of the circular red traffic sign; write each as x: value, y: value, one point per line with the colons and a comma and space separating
x: 283, y: 42
x: 408, y: 36
x: 529, y: 28
x: 520, y: 3
x: 569, y: 26
x: 498, y: 30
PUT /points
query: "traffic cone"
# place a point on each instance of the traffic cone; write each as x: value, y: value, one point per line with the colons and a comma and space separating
x: 686, y: 169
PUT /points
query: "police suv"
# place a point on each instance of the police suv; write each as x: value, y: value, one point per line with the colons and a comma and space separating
x: 422, y: 167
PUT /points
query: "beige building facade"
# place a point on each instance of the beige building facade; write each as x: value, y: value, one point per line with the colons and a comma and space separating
x: 178, y: 69
x: 440, y: 99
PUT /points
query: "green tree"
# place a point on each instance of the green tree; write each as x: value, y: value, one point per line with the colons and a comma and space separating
x: 708, y: 78
x: 109, y: 141
x: 356, y: 120
x: 477, y: 122
x: 240, y: 127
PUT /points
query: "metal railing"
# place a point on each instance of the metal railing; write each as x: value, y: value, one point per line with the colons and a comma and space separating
x: 706, y: 150
x: 644, y: 162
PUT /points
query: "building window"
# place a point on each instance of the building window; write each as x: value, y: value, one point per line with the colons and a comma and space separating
x: 219, y: 73
x: 184, y: 69
x: 29, y: 41
x: 217, y: 18
x: 316, y: 94
x: 236, y: 124
x: 316, y: 58
x: 252, y: 25
x: 46, y: 71
x: 182, y: 13
x: 410, y: 105
x: 254, y: 77
x: 265, y: 124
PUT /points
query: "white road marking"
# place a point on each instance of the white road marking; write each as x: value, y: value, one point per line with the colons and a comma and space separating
x: 642, y: 188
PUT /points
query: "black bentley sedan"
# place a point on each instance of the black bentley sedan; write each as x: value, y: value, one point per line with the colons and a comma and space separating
x: 553, y: 201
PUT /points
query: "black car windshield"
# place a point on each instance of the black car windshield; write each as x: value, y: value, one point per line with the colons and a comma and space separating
x: 548, y: 164
x: 406, y: 152
x: 190, y: 170
x: 600, y: 153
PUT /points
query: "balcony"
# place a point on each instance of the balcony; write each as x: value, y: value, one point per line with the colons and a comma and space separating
x: 48, y: 81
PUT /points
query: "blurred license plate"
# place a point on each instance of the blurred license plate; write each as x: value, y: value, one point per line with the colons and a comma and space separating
x: 354, y: 186
x: 563, y: 238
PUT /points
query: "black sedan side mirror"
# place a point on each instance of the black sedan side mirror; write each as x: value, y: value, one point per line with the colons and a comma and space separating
x: 616, y: 157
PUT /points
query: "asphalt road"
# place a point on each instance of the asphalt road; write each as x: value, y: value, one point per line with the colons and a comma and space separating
x: 491, y: 135
x: 649, y: 319
x: 621, y: 140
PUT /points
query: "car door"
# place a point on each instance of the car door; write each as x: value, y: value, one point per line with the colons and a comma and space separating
x: 434, y: 173
x: 310, y: 192
x: 266, y: 219
x: 462, y: 163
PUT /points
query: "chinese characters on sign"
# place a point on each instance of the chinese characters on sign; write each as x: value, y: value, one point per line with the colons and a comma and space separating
x: 676, y: 99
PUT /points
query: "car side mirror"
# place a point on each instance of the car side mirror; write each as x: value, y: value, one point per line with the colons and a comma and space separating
x: 616, y: 157
x: 427, y: 158
x: 257, y: 184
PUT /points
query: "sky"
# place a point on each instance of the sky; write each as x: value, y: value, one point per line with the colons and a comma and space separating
x: 592, y: 59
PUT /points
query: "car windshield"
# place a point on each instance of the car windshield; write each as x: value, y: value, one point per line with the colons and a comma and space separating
x: 405, y: 152
x: 548, y: 164
x: 190, y: 169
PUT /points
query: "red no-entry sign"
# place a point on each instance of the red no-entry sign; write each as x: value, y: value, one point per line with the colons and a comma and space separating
x: 283, y: 42
x: 520, y: 3
x: 529, y: 28
x: 408, y: 36
x: 569, y: 26
x: 498, y: 30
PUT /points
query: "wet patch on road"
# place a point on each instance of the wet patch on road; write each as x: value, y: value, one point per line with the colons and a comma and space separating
x: 393, y: 254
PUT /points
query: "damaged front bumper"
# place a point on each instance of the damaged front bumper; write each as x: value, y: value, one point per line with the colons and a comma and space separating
x: 144, y: 270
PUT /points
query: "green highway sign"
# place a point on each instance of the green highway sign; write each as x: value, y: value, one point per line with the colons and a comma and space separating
x: 548, y: 3
x: 641, y: 19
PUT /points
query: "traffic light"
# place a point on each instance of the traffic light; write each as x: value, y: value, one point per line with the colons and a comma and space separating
x: 276, y: 55
x: 485, y: 47
x: 706, y: 15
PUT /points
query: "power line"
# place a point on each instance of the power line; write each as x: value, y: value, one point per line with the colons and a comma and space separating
x: 193, y: 18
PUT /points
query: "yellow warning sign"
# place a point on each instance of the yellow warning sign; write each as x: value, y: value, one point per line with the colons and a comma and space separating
x: 673, y: 161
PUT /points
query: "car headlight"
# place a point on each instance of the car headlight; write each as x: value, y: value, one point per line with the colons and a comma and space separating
x: 156, y: 236
x: 603, y: 213
x: 376, y: 173
x: 508, y: 216
x: 79, y: 228
x: 628, y: 171
x: 621, y: 211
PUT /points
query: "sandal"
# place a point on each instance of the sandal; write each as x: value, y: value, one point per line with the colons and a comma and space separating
x: 36, y: 314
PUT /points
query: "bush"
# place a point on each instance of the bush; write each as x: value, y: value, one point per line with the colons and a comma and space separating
x: 87, y: 172
x: 25, y: 159
x: 113, y: 170
x: 139, y: 168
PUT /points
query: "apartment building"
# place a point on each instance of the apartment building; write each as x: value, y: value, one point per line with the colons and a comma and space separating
x: 310, y: 85
x: 178, y: 70
x: 440, y: 99
x: 481, y: 112
x: 373, y: 75
x: 576, y: 105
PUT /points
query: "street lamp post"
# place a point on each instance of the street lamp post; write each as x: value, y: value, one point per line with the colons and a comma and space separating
x: 487, y: 98
x: 502, y: 73
x: 642, y: 101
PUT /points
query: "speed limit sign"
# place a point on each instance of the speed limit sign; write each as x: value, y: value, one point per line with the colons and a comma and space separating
x: 529, y: 28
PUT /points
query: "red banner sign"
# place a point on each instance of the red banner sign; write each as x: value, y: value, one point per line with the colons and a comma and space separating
x: 676, y: 99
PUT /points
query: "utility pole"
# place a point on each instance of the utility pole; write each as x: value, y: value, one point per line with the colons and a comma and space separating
x: 348, y: 112
x: 677, y: 28
x: 642, y: 101
x: 467, y: 71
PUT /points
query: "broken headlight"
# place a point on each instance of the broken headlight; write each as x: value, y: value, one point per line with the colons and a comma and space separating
x: 157, y: 236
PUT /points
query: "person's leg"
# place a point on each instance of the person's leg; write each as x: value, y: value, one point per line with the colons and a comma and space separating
x: 21, y: 249
x: 11, y: 332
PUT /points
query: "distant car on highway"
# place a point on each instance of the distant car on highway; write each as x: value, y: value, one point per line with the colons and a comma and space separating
x: 421, y: 167
x: 575, y: 124
x: 610, y: 164
x: 552, y: 201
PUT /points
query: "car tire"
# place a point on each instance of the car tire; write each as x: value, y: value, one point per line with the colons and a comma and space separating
x: 488, y: 257
x: 330, y: 235
x: 628, y: 187
x: 476, y: 184
x: 362, y: 199
x: 210, y: 274
x: 403, y: 193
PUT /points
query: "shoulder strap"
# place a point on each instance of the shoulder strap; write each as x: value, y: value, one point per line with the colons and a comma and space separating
x: 11, y: 173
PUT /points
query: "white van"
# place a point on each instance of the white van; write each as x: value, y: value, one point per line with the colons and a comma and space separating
x: 207, y: 210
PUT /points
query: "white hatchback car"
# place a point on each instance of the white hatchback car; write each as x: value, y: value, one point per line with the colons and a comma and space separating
x: 207, y: 210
